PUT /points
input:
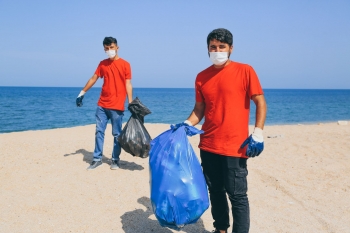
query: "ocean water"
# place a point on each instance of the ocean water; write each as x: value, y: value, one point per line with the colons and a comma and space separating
x: 34, y: 108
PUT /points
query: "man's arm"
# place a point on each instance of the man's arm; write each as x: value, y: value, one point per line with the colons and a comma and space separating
x: 88, y: 85
x: 255, y: 141
x: 128, y: 90
x: 261, y: 109
x: 90, y: 82
x: 197, y: 113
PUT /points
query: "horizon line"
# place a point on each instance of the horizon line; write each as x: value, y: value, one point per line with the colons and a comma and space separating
x: 274, y: 88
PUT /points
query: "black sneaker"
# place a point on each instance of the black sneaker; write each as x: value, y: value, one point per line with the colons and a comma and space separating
x: 115, y: 164
x: 217, y: 231
x: 94, y: 165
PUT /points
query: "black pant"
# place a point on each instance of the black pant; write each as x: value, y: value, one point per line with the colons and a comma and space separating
x: 225, y: 174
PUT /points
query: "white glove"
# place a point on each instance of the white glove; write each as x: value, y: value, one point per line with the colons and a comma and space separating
x: 257, y: 135
x: 81, y: 93
x: 188, y: 122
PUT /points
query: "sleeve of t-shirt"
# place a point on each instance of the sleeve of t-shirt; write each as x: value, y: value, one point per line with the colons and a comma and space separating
x: 127, y: 71
x: 98, y: 71
x: 199, y: 96
x: 254, y: 87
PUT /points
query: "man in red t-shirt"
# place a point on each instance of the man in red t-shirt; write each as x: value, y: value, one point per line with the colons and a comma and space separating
x: 116, y: 74
x: 223, y: 94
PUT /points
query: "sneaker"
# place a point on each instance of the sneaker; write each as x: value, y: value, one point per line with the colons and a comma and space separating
x: 115, y: 164
x: 94, y: 165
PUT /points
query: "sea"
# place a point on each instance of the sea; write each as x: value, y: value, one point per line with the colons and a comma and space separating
x: 38, y: 108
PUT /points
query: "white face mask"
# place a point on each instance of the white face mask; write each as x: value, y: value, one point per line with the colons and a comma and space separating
x: 218, y: 58
x: 111, y: 53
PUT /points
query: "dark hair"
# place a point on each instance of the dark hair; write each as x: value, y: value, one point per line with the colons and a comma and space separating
x: 221, y: 34
x: 109, y: 40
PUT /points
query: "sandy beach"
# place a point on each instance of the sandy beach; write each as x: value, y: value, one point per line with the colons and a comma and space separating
x: 300, y: 183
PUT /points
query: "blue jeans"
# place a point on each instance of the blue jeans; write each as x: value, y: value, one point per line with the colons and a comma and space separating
x: 102, y: 117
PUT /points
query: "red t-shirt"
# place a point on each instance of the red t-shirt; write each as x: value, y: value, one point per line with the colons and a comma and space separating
x: 114, y: 74
x: 226, y: 93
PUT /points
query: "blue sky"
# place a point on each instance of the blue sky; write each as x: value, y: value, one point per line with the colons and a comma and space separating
x: 290, y: 44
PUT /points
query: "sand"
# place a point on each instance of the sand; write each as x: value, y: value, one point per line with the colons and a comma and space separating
x: 300, y: 183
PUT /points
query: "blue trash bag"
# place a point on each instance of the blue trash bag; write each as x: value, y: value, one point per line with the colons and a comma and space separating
x: 179, y: 193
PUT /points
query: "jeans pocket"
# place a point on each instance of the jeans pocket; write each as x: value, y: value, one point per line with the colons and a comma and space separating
x: 241, y: 186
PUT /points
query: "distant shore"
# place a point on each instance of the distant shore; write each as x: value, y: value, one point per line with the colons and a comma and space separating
x: 300, y: 183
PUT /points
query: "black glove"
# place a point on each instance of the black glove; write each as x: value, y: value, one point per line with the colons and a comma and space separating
x: 79, y: 100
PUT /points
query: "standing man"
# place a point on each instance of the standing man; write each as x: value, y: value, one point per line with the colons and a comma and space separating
x: 116, y: 74
x: 223, y: 94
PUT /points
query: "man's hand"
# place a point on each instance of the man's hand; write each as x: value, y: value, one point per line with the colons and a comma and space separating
x: 255, y: 143
x: 189, y: 129
x: 79, y: 100
x: 185, y: 123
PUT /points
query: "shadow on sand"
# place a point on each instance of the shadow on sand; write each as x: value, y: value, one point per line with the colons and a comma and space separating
x: 138, y: 221
x: 88, y: 157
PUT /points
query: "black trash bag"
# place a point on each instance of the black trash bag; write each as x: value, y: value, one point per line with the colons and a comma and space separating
x: 137, y: 108
x: 134, y: 138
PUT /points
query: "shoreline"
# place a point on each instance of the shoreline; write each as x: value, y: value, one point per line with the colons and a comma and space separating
x: 146, y: 123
